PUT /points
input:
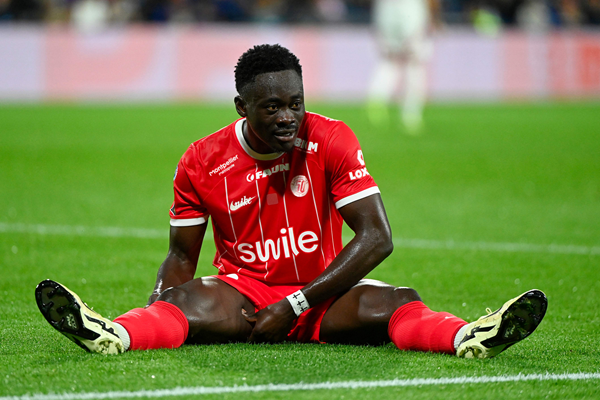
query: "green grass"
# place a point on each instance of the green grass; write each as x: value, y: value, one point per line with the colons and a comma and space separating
x: 518, y: 173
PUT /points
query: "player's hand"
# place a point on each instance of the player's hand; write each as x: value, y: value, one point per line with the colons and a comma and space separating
x: 271, y: 324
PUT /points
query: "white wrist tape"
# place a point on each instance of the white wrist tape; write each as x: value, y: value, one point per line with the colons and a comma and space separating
x: 298, y: 302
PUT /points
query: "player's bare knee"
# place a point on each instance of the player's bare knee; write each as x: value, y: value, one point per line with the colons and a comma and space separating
x: 403, y: 295
x: 174, y: 295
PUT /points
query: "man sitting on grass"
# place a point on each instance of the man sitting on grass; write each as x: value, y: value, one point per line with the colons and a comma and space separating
x: 278, y: 183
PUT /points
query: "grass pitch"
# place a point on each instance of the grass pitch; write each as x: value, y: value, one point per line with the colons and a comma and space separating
x: 491, y: 200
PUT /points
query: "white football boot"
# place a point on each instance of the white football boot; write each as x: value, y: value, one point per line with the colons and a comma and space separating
x: 65, y: 311
x: 497, y: 331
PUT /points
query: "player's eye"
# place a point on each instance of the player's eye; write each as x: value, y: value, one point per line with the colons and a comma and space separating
x: 272, y: 108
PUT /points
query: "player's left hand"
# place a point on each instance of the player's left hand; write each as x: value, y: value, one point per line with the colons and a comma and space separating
x: 271, y: 324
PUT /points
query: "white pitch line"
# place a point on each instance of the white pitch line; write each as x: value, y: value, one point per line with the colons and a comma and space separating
x: 78, y: 230
x: 147, y: 233
x: 206, y: 390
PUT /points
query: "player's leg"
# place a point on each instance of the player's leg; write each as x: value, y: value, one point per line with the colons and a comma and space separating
x: 415, y: 91
x: 377, y: 313
x: 362, y: 315
x: 374, y: 313
x: 213, y: 310
x: 382, y: 88
x: 418, y: 52
x: 204, y: 310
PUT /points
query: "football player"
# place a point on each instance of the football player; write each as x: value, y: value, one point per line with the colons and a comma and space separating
x: 278, y: 183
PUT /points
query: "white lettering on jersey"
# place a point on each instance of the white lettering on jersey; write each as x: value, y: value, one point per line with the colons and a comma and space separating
x: 267, y: 172
x: 224, y: 166
x: 244, y: 201
x: 359, y: 173
x: 273, y: 249
x: 306, y: 145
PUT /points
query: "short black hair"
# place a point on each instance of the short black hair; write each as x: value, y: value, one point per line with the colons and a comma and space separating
x: 262, y: 59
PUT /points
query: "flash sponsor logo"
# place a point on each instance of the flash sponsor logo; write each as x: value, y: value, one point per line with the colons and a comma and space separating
x: 236, y: 205
x: 265, y: 173
x: 359, y: 173
x: 285, y: 245
x: 223, y: 167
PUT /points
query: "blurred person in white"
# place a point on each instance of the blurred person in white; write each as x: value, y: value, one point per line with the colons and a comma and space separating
x: 90, y: 16
x: 403, y: 29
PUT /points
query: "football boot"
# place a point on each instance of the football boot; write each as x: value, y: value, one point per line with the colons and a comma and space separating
x: 65, y: 311
x: 497, y: 331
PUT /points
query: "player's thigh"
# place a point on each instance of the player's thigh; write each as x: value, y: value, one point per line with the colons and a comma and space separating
x: 362, y: 315
x: 213, y: 310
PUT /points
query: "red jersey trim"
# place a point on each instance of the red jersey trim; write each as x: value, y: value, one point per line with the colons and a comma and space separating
x: 356, y: 196
x: 188, y: 222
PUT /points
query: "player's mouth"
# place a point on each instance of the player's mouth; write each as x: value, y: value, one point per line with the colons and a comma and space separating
x: 285, y: 135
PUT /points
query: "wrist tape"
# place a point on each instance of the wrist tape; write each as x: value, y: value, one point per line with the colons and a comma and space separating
x: 298, y: 302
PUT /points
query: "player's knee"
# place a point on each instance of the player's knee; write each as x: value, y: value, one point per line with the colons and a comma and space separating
x: 175, y: 295
x: 403, y: 295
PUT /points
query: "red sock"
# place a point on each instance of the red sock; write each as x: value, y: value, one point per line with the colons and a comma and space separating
x: 415, y: 327
x: 162, y: 325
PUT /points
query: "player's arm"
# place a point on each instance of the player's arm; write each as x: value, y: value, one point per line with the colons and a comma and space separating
x: 371, y: 244
x: 182, y: 259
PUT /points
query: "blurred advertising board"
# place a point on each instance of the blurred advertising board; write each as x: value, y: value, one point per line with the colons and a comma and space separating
x: 141, y: 63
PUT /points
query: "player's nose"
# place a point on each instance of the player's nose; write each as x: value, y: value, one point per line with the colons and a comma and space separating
x: 285, y: 117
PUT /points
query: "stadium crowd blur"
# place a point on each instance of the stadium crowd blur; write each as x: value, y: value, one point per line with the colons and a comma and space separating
x: 547, y: 14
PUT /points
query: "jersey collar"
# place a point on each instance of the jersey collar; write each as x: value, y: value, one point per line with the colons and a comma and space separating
x: 239, y: 132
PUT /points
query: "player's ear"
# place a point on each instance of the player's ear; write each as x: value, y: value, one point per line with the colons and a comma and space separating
x: 240, y: 105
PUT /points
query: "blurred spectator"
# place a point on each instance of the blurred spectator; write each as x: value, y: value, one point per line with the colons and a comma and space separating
x: 90, y: 16
x: 488, y: 16
x: 403, y: 30
x: 534, y: 16
x: 591, y: 12
x: 21, y: 10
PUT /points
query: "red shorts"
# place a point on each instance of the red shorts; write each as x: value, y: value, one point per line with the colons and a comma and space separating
x: 307, y: 326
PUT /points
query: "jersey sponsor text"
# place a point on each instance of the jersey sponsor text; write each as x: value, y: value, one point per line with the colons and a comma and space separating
x: 267, y: 172
x: 359, y: 173
x: 224, y: 166
x: 306, y: 145
x: 285, y: 245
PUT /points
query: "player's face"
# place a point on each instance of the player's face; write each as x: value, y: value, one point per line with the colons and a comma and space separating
x: 274, y: 110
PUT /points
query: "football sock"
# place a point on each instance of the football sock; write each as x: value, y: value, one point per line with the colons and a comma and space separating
x: 460, y: 335
x: 415, y: 327
x: 123, y: 335
x: 161, y: 325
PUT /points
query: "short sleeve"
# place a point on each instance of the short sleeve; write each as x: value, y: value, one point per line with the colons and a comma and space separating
x: 350, y: 179
x: 187, y: 208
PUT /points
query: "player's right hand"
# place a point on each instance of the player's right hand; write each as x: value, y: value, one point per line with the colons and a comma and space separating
x: 271, y: 324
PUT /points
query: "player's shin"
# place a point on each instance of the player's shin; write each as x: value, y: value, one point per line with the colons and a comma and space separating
x: 161, y: 325
x: 415, y: 327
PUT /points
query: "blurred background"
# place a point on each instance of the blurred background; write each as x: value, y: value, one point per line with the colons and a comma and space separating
x: 186, y: 49
x: 510, y: 13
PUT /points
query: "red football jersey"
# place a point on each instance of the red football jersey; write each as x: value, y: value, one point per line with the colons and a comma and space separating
x: 275, y: 216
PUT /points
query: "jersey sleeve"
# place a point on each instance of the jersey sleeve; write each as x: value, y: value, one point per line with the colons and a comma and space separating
x: 187, y: 208
x: 350, y: 179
